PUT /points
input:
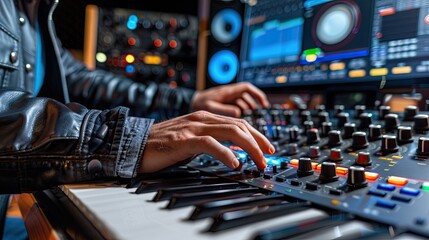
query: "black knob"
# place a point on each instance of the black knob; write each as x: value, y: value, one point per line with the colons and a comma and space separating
x: 343, y: 118
x: 307, y: 126
x: 349, y: 129
x: 356, y: 177
x: 305, y: 116
x: 283, y: 165
x: 365, y: 120
x: 405, y: 134
x: 304, y: 167
x: 338, y: 109
x: 328, y: 172
x: 292, y: 149
x: 423, y: 147
x: 359, y: 109
x: 374, y: 132
x: 323, y: 117
x: 359, y: 140
x: 293, y: 134
x: 421, y: 123
x: 312, y: 136
x: 389, y: 144
x: 326, y: 128
x: 334, y: 138
x: 363, y: 159
x: 410, y: 112
x: 275, y: 132
x: 274, y: 169
x: 287, y: 115
x: 335, y: 155
x: 384, y: 110
x: 313, y: 151
x: 391, y: 122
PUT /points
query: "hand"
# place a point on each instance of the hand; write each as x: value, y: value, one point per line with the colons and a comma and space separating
x: 178, y: 139
x: 229, y: 100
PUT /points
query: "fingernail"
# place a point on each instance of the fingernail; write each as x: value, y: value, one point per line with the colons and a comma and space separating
x: 272, y: 149
x: 235, y: 163
x: 262, y: 166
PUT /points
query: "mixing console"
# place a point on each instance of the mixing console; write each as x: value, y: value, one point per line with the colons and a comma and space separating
x: 369, y: 163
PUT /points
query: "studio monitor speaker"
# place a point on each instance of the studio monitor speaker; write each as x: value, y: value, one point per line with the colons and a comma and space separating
x: 225, y: 24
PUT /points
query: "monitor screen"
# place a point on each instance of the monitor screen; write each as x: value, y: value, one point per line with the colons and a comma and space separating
x: 326, y: 42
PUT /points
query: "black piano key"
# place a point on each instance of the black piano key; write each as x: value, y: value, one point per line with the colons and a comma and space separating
x: 349, y: 230
x: 229, y: 220
x: 311, y: 224
x: 166, y: 193
x: 210, y: 209
x: 187, y: 199
x: 154, y: 185
x: 169, y: 173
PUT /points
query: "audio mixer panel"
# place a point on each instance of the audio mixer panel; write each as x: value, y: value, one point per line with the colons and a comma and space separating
x: 373, y: 164
x: 148, y: 46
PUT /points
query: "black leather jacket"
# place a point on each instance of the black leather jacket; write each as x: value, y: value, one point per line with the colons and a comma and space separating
x: 46, y: 141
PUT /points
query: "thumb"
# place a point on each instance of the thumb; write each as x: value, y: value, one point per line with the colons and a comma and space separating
x: 223, y: 109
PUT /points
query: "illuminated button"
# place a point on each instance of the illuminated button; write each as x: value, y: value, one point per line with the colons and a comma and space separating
x: 357, y: 73
x: 397, y: 180
x: 314, y: 165
x: 401, y: 198
x: 157, y: 43
x: 371, y: 176
x: 342, y: 170
x: 425, y: 186
x: 409, y: 191
x: 281, y: 79
x: 337, y: 66
x: 376, y: 193
x: 385, y: 187
x: 378, y: 72
x: 131, y: 41
x: 387, y: 11
x: 129, y: 58
x: 294, y: 162
x: 402, y: 70
x: 385, y: 204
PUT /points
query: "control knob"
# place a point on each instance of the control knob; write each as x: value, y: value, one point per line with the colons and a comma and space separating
x: 328, y: 172
x: 335, y: 155
x: 359, y: 109
x: 423, y: 147
x: 326, y: 128
x: 421, y: 123
x: 323, y: 117
x: 359, y: 140
x: 338, y: 109
x: 410, y: 112
x: 374, y: 132
x: 365, y: 120
x: 384, y: 110
x: 293, y: 134
x: 343, y: 118
x: 305, y: 116
x: 334, y: 138
x: 405, y: 134
x: 391, y: 122
x: 389, y: 144
x: 287, y: 114
x: 304, y: 167
x: 312, y: 136
x: 363, y: 159
x: 356, y: 177
x: 349, y: 129
x: 313, y: 151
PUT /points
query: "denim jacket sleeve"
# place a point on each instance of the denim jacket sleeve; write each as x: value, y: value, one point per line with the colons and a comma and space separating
x: 45, y: 143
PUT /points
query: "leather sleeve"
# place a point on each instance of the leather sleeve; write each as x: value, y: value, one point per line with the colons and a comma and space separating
x: 45, y: 143
x: 103, y: 90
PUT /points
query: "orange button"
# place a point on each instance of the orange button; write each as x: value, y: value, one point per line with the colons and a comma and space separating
x: 371, y: 176
x: 314, y: 165
x: 397, y: 180
x: 342, y: 170
x: 294, y: 162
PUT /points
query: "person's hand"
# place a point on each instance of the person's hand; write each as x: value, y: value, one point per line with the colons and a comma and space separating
x: 229, y: 100
x: 181, y: 138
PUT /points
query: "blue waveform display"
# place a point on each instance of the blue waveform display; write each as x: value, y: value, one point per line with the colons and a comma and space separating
x: 276, y: 39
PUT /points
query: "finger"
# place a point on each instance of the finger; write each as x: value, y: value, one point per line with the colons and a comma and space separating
x: 208, y: 145
x: 233, y: 133
x: 210, y: 118
x: 223, y: 109
x: 250, y: 101
x: 242, y: 104
x: 255, y: 92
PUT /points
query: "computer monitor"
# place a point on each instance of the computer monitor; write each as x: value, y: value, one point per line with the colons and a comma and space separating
x: 298, y: 43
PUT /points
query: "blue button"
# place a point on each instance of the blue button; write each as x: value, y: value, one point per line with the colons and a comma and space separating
x: 385, y: 204
x: 385, y: 187
x: 410, y: 191
x: 376, y: 193
x: 401, y: 198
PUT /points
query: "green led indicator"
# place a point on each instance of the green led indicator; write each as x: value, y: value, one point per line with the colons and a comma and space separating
x: 425, y: 186
x: 288, y: 190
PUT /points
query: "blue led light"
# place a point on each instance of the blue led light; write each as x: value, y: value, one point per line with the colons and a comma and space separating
x: 130, y: 69
x: 223, y: 67
x: 132, y: 22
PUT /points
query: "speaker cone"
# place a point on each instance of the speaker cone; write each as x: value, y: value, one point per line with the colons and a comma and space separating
x: 223, y: 67
x: 226, y: 25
